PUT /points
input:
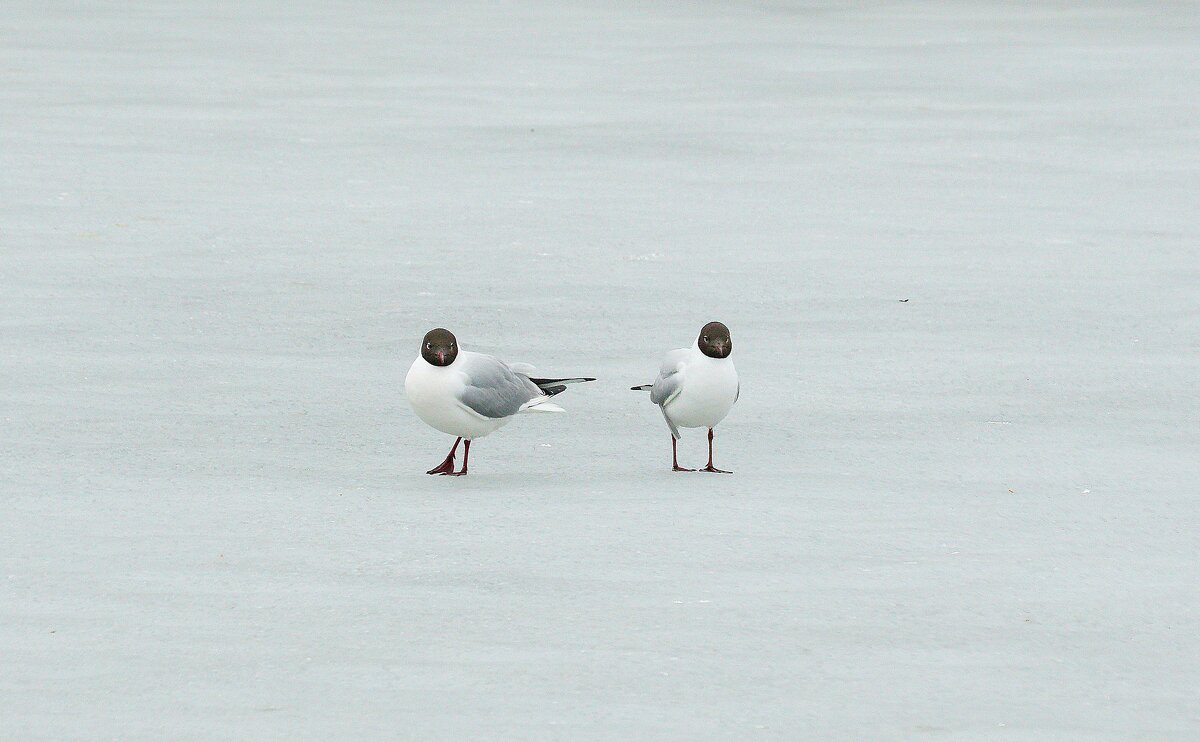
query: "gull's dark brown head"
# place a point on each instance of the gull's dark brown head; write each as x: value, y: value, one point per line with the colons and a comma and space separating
x: 439, y: 347
x: 714, y: 340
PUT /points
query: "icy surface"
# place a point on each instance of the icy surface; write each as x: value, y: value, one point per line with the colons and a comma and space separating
x: 969, y: 515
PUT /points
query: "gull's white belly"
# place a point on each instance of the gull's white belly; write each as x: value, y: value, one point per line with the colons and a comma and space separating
x: 434, y: 392
x: 707, y: 393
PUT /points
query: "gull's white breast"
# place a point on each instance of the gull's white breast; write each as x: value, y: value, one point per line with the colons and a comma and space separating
x: 434, y: 393
x: 708, y: 389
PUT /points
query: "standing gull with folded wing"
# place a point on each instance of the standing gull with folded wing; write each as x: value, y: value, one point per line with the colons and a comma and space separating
x: 696, y: 388
x: 469, y: 395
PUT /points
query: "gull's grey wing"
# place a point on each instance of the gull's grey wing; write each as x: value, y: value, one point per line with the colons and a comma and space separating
x: 668, y: 384
x: 492, y: 388
x: 669, y: 380
x: 670, y: 423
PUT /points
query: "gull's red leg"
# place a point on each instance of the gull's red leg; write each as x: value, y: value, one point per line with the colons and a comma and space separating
x: 446, y: 466
x: 675, y: 457
x: 466, y: 455
x: 710, y: 466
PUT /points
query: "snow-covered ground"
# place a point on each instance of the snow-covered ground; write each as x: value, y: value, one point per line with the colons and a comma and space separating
x: 973, y: 514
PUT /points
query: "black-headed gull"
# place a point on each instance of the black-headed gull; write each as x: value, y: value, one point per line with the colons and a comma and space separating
x: 470, y: 395
x: 696, y: 387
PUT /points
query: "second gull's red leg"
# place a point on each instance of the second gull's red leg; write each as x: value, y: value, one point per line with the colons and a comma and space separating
x: 675, y: 457
x: 710, y: 466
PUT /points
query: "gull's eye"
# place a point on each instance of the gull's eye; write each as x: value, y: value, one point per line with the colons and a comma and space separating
x: 429, y: 346
x: 706, y: 338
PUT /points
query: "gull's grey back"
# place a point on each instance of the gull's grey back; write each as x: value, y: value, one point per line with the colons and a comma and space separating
x: 493, y: 389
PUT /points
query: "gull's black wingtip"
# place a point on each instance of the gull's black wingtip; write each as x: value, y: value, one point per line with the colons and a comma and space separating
x: 568, y: 380
x: 557, y: 386
x: 642, y: 388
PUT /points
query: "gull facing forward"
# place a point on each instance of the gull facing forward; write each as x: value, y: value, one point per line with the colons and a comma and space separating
x: 470, y: 395
x: 696, y: 387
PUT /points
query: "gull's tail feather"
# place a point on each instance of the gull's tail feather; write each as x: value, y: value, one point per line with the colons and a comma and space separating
x: 540, y: 404
x: 557, y: 386
x: 642, y: 388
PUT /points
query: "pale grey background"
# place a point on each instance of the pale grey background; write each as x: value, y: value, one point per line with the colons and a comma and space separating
x: 224, y: 228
